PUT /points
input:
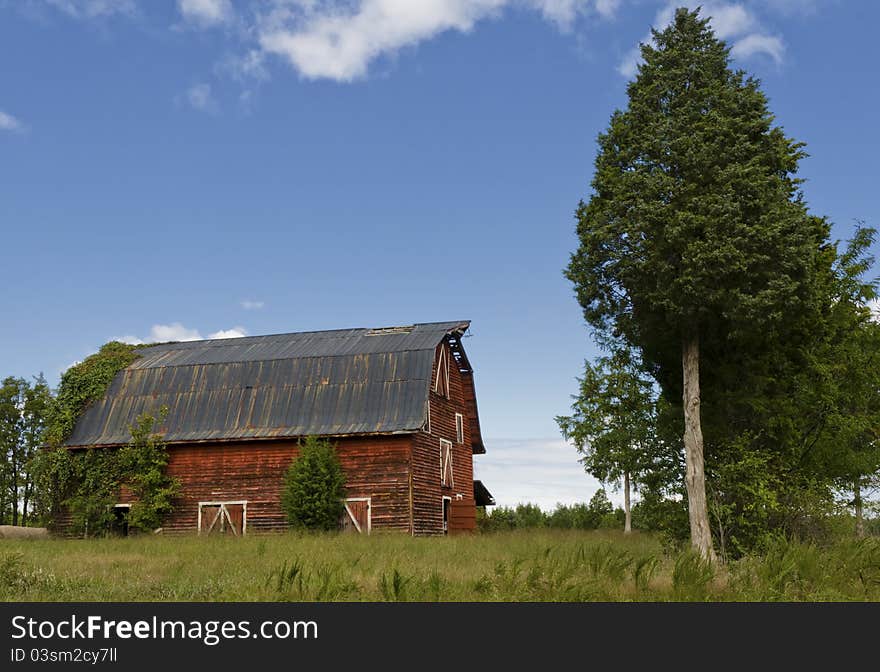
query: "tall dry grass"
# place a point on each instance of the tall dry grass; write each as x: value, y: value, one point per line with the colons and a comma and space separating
x: 527, y: 565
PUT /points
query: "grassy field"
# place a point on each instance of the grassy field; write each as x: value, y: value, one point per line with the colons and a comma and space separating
x: 529, y: 565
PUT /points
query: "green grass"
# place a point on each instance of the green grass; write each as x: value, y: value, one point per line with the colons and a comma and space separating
x: 528, y: 565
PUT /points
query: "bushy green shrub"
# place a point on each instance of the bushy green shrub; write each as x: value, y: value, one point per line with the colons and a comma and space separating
x: 314, y: 487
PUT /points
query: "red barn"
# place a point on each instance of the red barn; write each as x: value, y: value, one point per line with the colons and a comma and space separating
x: 398, y: 402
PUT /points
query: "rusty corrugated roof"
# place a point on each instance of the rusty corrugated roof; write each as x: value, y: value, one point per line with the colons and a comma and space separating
x: 324, y: 383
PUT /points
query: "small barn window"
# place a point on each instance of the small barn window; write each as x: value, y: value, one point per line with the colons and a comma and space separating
x: 441, y: 384
x: 446, y: 478
x: 459, y: 428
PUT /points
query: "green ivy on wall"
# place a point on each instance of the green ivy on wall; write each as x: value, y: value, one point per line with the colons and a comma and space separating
x: 86, y: 484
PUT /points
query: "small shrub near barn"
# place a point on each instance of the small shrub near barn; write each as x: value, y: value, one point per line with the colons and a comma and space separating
x: 314, y: 487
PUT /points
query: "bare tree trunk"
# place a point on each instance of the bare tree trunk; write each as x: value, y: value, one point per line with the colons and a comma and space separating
x: 858, y: 505
x: 695, y: 477
x: 627, y: 525
x: 26, y: 503
x: 14, y: 477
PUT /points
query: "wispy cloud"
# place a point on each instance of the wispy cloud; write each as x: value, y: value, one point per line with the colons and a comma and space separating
x: 540, y: 471
x: 252, y: 305
x: 89, y: 9
x: 10, y: 123
x: 206, y: 13
x: 759, y: 44
x: 564, y: 13
x: 733, y: 22
x: 200, y: 97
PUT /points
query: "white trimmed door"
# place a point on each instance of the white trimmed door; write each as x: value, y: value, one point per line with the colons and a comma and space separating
x: 223, y: 518
x: 357, y: 517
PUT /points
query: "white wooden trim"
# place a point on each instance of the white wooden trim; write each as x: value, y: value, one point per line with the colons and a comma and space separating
x: 442, y: 367
x: 445, y: 443
x: 121, y: 506
x: 445, y: 523
x: 369, y: 501
x: 428, y: 429
x: 459, y: 428
x: 222, y: 510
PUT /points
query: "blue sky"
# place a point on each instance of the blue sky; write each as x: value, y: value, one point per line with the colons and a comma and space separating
x: 186, y: 168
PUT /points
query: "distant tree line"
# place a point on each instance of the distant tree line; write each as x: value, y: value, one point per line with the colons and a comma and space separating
x: 24, y: 407
x: 599, y: 513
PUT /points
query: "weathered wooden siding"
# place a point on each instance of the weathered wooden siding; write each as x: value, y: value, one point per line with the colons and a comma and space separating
x: 427, y: 491
x: 376, y: 467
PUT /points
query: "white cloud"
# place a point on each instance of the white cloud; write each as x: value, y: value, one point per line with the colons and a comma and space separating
x: 206, y: 12
x: 759, y: 44
x: 173, y: 332
x: 607, y: 8
x: 339, y: 39
x: 629, y: 65
x: 329, y: 40
x: 90, y: 9
x: 161, y: 333
x: 252, y: 305
x: 565, y: 12
x: 200, y: 97
x: 235, y: 332
x: 9, y: 123
x: 875, y: 309
x: 733, y: 22
x: 541, y: 471
x: 245, y: 67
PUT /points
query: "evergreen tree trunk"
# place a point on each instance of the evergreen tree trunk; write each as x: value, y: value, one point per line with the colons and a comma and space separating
x: 627, y: 525
x: 858, y: 506
x: 695, y: 477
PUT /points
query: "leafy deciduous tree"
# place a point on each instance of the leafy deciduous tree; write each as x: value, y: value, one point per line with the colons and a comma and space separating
x: 613, y: 423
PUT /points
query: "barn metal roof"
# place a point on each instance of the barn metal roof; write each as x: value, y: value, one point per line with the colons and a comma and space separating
x: 322, y: 383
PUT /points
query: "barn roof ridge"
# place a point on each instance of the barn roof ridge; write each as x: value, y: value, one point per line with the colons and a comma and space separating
x: 351, y: 331
x: 345, y: 381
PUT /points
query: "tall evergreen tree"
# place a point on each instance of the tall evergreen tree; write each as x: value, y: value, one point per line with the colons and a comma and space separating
x: 696, y: 240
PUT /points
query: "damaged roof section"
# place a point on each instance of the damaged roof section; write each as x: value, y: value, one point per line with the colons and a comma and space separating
x: 327, y: 383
